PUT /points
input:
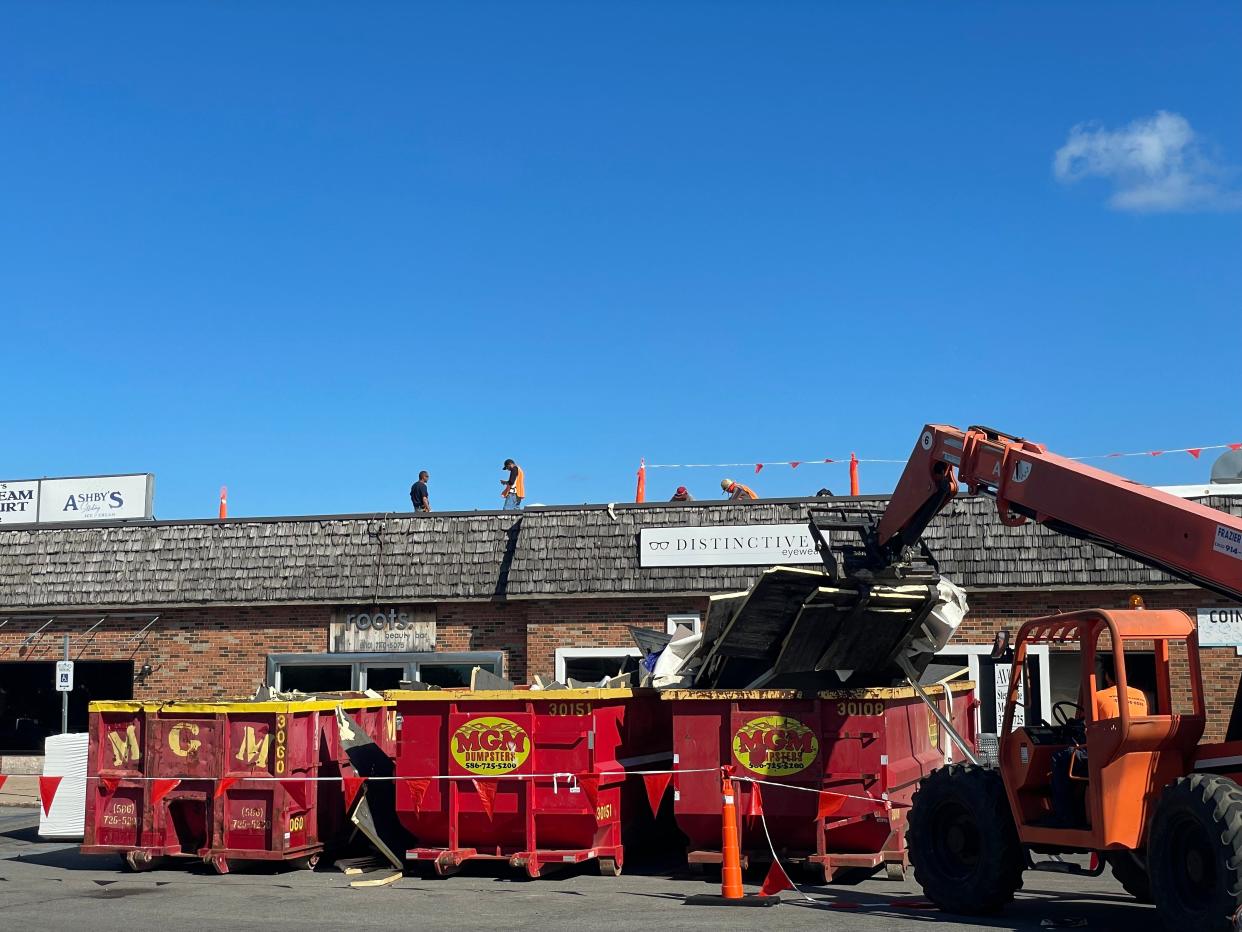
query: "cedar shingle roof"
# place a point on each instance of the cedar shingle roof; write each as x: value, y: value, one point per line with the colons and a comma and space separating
x: 543, y: 552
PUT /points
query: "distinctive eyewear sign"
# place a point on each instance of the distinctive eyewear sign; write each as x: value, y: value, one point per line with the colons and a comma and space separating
x: 727, y: 545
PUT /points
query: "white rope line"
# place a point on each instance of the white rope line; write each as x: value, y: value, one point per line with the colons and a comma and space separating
x: 844, y: 460
x: 561, y: 775
x: 763, y: 820
x: 883, y: 800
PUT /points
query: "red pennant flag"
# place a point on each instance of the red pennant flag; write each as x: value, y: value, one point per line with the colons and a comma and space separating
x: 1094, y: 863
x: 3, y: 777
x: 299, y: 791
x: 656, y: 784
x: 487, y: 795
x: 754, y: 802
x: 47, y: 791
x: 1235, y: 446
x: 1156, y: 453
x: 417, y: 790
x: 1113, y: 455
x: 776, y: 881
x: 795, y: 464
x: 222, y: 785
x: 107, y: 784
x: 1194, y: 451
x: 590, y: 787
x: 829, y: 804
x: 829, y: 461
x: 352, y: 786
x: 161, y: 788
x: 758, y: 468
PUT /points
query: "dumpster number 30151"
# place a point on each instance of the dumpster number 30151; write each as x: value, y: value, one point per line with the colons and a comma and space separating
x: 569, y: 708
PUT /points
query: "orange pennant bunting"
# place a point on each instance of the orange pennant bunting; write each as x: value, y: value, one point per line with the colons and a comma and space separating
x: 223, y: 784
x: 109, y: 784
x: 829, y: 804
x: 758, y: 468
x: 299, y: 791
x: 47, y: 791
x: 776, y: 881
x: 795, y: 464
x: 352, y: 787
x: 161, y: 788
x: 487, y: 795
x: 1194, y: 452
x: 417, y: 789
x: 590, y: 787
x: 754, y: 801
x: 656, y: 784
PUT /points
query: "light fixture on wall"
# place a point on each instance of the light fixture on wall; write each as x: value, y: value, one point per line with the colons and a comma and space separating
x: 1000, y: 646
x: 140, y: 678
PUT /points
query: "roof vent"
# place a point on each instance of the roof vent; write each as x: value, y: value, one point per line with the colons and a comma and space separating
x: 1228, y: 467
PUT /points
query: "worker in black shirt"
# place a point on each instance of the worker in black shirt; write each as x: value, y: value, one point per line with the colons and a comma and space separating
x: 419, y: 496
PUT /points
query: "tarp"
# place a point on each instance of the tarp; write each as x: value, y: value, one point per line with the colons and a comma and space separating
x: 65, y: 756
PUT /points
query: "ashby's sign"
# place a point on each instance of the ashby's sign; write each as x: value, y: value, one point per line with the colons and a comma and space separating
x: 395, y: 628
x: 727, y: 545
x: 86, y: 498
x: 1220, y: 627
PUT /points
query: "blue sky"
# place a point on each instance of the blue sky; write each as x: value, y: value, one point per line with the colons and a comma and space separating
x: 305, y: 250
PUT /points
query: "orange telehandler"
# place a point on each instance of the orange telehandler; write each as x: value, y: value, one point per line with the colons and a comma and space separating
x: 1163, y: 810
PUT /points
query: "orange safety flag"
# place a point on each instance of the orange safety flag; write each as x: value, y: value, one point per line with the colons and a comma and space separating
x: 222, y: 786
x: 298, y: 791
x: 590, y: 786
x: 417, y: 789
x: 829, y: 804
x: 161, y: 788
x: 47, y: 791
x: 640, y: 494
x: 776, y: 881
x: 107, y: 784
x: 656, y: 784
x: 487, y: 795
x: 754, y: 801
x: 352, y: 786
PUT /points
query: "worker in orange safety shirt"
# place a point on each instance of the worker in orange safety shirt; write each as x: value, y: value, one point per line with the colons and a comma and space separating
x: 514, y: 487
x: 1071, y: 762
x: 737, y: 492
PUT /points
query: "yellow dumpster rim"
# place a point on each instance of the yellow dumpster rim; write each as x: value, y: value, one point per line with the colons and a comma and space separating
x: 885, y: 692
x: 208, y: 708
x: 513, y: 695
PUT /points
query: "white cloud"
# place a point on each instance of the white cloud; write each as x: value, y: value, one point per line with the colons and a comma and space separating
x: 1155, y: 164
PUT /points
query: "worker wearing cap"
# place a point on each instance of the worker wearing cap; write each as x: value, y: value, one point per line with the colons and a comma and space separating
x: 514, y: 490
x: 737, y: 492
x: 682, y: 495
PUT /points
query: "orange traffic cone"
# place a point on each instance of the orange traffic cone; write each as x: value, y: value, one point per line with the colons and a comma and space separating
x: 731, y: 892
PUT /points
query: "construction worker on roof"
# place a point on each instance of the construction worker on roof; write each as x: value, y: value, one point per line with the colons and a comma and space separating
x: 514, y: 490
x: 737, y: 492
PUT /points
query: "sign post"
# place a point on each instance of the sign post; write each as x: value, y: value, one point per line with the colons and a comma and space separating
x: 64, y: 686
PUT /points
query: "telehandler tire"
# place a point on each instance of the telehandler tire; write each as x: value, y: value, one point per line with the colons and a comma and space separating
x: 962, y: 840
x: 1194, y: 853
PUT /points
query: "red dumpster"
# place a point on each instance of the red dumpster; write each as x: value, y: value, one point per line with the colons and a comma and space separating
x: 868, y: 743
x: 528, y: 749
x: 221, y: 780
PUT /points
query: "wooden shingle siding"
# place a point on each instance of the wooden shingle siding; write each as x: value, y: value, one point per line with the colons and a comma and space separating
x: 543, y: 552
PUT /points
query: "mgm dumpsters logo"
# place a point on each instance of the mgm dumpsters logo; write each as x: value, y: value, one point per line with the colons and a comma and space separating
x: 490, y: 745
x: 775, y: 746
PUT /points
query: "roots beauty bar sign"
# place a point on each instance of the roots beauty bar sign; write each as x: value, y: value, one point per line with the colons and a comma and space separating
x: 383, y: 628
x: 727, y: 545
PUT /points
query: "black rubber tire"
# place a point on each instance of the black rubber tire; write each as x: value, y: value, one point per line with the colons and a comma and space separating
x: 962, y: 840
x: 1194, y: 853
x: 1130, y: 872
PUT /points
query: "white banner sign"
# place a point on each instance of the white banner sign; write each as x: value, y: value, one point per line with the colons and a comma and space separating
x: 727, y: 545
x: 387, y: 630
x: 1220, y: 627
x: 19, y: 502
x: 1003, y: 670
x: 96, y: 498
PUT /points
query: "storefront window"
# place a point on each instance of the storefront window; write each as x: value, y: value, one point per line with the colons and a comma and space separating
x: 30, y: 706
x: 317, y: 678
x: 445, y: 675
x: 379, y: 671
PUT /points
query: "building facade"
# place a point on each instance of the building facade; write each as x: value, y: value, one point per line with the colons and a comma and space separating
x: 214, y: 609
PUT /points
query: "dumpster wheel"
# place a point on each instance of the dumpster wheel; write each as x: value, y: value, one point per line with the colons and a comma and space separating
x: 608, y: 867
x: 307, y: 863
x: 137, y: 861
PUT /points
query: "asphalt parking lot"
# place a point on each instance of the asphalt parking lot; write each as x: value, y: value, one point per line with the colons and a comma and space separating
x: 49, y: 885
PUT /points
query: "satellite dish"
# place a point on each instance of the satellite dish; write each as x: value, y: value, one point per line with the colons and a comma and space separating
x: 1228, y: 467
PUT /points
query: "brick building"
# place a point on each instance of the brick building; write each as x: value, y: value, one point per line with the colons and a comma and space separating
x: 216, y: 608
